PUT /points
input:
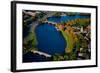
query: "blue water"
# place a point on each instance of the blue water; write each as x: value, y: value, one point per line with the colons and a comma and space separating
x: 50, y: 40
x: 30, y: 57
x: 65, y: 18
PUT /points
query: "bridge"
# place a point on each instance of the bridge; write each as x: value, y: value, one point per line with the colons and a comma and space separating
x: 50, y: 22
x: 36, y: 23
x: 41, y: 53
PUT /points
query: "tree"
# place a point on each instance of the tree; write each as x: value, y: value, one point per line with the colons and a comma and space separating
x: 82, y: 23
